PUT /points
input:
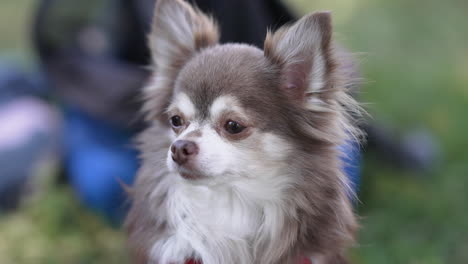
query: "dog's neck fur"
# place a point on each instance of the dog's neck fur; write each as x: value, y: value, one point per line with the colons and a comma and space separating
x: 219, y: 223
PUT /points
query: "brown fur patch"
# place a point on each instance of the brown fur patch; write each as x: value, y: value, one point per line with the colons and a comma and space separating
x: 194, y: 134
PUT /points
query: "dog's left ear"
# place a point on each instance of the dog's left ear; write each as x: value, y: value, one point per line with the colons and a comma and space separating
x: 303, y: 52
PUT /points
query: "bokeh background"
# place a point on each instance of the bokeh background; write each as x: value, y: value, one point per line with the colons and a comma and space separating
x: 414, y: 56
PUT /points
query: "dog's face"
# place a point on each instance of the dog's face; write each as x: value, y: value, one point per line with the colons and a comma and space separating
x: 224, y: 115
x: 235, y: 111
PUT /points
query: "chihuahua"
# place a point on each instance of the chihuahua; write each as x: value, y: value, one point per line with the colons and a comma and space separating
x: 241, y: 161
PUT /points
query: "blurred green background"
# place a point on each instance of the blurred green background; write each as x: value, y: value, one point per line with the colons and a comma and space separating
x: 414, y: 56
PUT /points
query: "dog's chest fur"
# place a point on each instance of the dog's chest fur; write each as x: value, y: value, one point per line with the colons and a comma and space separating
x: 218, y: 224
x: 218, y: 211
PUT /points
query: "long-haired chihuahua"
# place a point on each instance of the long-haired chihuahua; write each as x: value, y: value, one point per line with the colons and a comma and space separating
x: 241, y: 161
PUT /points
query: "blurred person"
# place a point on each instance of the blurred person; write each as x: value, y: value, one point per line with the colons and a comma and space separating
x: 29, y: 128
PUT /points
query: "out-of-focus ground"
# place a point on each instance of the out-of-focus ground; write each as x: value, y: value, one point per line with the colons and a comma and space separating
x: 414, y: 56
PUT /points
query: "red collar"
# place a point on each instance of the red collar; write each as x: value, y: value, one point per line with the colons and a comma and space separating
x: 303, y: 261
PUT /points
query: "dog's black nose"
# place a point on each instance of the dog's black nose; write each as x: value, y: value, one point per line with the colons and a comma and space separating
x: 183, y: 150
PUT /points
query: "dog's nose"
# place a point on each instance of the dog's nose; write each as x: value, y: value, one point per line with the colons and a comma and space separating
x: 183, y: 150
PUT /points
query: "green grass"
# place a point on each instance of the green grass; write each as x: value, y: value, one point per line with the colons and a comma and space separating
x: 55, y: 229
x: 415, y: 58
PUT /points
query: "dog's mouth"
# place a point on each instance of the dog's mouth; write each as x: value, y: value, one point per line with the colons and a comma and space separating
x: 189, y: 175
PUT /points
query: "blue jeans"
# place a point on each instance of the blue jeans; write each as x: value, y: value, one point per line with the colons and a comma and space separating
x: 352, y: 163
x: 99, y: 158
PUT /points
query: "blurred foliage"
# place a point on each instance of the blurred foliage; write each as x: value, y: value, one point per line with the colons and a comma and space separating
x: 55, y: 229
x: 414, y: 55
x: 15, y: 23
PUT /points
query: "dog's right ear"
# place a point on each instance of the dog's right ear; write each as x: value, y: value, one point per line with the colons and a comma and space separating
x: 178, y: 32
x: 305, y: 55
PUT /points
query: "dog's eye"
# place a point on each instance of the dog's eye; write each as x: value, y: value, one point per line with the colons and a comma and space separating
x: 232, y: 127
x: 176, y: 121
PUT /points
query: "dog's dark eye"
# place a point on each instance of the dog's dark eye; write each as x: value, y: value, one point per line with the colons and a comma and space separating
x: 233, y: 127
x: 176, y: 121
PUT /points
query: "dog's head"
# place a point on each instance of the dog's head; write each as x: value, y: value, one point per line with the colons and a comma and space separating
x: 235, y: 111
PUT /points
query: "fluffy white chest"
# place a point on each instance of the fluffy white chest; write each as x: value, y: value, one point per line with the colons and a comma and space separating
x: 218, y: 212
x: 214, y: 224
